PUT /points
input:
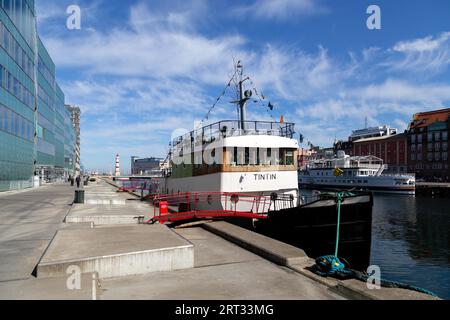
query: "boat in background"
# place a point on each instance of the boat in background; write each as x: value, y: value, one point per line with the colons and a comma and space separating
x: 355, y: 173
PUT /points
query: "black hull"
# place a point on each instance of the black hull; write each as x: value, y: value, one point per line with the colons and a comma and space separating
x: 312, y: 227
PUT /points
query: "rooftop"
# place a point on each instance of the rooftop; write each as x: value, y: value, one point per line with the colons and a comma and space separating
x: 425, y: 119
x: 394, y: 136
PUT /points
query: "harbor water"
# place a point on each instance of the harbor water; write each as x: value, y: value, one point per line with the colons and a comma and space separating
x: 411, y: 241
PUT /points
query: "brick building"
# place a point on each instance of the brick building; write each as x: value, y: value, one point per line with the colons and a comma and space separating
x: 393, y: 149
x: 428, y: 145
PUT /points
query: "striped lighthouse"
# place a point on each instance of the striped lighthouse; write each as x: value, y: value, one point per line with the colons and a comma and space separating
x: 117, y: 172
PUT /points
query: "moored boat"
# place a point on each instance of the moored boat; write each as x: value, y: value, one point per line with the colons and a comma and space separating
x: 247, y: 172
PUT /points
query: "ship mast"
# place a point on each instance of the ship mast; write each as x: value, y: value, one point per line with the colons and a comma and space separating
x: 244, y: 96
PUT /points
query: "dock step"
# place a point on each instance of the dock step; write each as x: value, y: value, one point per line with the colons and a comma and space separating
x: 116, y: 251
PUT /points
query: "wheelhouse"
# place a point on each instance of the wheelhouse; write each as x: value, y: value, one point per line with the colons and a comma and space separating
x: 226, y: 147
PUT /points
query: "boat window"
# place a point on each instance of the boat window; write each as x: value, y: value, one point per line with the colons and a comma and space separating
x: 287, y: 157
x: 260, y: 156
x: 247, y: 156
x: 234, y: 161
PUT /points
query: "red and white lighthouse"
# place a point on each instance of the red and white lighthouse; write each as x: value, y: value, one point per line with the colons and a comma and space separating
x: 117, y: 172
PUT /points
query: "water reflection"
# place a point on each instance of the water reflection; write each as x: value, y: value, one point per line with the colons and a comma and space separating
x: 411, y: 241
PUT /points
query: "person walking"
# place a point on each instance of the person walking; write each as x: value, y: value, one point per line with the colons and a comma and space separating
x: 78, y: 181
x: 71, y: 181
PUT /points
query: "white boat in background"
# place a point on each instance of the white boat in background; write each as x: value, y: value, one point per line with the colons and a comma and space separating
x: 359, y: 173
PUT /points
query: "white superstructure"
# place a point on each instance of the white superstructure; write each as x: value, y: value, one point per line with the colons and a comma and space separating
x: 345, y: 172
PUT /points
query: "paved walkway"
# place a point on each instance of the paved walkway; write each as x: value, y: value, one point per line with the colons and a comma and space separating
x: 28, y: 222
x: 222, y: 271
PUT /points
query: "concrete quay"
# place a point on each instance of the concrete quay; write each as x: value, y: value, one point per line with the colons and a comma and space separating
x: 113, y: 246
x: 105, y: 206
x: 296, y: 259
x: 214, y: 260
x: 28, y: 222
x: 102, y: 194
x: 116, y: 251
x: 222, y: 271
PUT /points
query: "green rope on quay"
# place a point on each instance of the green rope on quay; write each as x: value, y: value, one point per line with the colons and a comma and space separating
x: 339, y: 202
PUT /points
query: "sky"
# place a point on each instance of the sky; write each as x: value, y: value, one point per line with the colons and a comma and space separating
x: 144, y: 71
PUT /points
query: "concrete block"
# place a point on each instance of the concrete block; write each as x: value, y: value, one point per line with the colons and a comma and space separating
x: 106, y: 219
x: 107, y: 214
x: 117, y: 251
x: 104, y: 201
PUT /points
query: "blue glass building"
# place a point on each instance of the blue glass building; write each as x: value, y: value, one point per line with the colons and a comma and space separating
x: 36, y: 133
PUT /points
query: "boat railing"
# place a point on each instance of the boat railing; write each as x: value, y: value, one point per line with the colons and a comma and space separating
x: 336, y: 165
x: 232, y: 128
x: 187, y: 205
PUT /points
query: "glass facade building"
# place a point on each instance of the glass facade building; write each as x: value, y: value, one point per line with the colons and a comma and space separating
x: 36, y: 133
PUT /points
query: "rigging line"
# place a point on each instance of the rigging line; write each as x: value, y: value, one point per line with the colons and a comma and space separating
x: 261, y: 96
x: 220, y: 97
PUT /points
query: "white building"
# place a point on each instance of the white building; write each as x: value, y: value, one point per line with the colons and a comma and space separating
x: 372, y: 132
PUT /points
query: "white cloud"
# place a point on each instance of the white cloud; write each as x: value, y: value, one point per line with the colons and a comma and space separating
x: 422, y: 45
x: 403, y: 91
x: 150, y: 45
x: 429, y: 55
x: 279, y: 9
x: 46, y: 10
x: 295, y: 74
